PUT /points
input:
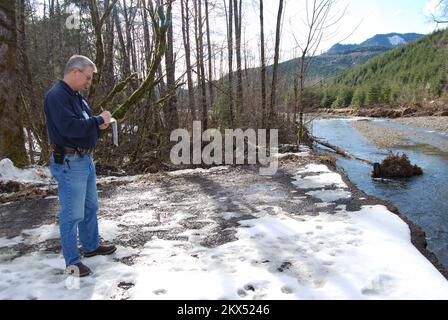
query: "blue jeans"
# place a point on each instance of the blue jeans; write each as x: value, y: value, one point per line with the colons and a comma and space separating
x: 78, y: 198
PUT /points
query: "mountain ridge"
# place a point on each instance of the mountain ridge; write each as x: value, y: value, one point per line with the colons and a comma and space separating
x: 390, y: 40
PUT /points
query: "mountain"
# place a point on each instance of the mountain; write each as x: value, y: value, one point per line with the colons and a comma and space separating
x: 408, y: 73
x: 342, y: 57
x: 389, y: 40
x: 327, y: 64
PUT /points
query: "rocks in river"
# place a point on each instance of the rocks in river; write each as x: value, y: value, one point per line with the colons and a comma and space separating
x: 395, y: 166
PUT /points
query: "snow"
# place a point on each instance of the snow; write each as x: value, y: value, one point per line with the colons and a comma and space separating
x: 30, y: 175
x: 365, y: 254
x: 41, y: 234
x: 396, y: 40
x: 320, y: 181
x: 198, y: 170
x: 330, y: 195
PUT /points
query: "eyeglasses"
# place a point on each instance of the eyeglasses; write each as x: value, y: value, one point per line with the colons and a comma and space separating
x: 88, y: 78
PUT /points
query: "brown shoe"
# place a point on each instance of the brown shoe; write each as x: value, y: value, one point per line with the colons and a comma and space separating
x: 102, y: 251
x: 78, y: 270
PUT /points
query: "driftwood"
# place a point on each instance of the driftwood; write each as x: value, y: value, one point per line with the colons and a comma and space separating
x: 339, y: 150
x: 394, y: 166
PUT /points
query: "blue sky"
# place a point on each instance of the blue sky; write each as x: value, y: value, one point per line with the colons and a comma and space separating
x: 384, y: 16
x: 363, y: 19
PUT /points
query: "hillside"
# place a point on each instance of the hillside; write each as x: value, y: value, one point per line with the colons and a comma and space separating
x: 342, y: 57
x: 330, y: 64
x: 409, y: 73
x: 389, y: 40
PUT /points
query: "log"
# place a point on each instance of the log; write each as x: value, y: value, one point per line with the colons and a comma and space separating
x: 340, y: 151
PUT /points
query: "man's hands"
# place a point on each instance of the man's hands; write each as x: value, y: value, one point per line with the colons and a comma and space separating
x: 106, y: 115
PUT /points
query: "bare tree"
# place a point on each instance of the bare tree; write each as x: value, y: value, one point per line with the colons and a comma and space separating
x: 12, y: 144
x: 318, y: 21
x: 238, y: 15
x: 442, y: 15
x: 200, y: 63
x: 186, y: 39
x: 109, y: 36
x: 98, y: 22
x: 34, y: 117
x: 275, y: 67
x: 126, y: 64
x: 263, y: 67
x: 172, y: 119
x: 229, y: 20
x: 210, y: 55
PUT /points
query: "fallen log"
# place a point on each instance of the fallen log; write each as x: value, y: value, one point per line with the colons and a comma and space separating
x: 393, y: 166
x: 340, y: 151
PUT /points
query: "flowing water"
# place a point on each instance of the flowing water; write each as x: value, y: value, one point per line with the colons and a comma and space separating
x: 423, y: 199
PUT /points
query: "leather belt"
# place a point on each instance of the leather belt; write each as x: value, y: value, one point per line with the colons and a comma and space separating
x: 69, y: 150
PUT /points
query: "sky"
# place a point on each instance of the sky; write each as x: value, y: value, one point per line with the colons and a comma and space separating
x: 365, y: 254
x: 362, y: 20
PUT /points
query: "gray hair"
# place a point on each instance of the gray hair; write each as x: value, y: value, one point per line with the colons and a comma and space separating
x: 79, y: 62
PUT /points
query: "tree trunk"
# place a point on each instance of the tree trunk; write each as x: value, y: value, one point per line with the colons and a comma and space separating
x: 230, y: 53
x: 12, y: 142
x: 275, y: 68
x: 109, y: 78
x: 146, y: 36
x: 263, y: 68
x: 125, y: 66
x: 239, y: 90
x: 210, y: 54
x: 31, y: 109
x: 99, y: 46
x: 186, y: 38
x: 172, y: 118
x: 201, y: 69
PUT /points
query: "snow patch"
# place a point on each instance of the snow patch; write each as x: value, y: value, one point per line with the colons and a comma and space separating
x: 396, y: 40
x: 36, y: 174
x: 198, y: 170
x: 320, y: 181
x: 330, y: 195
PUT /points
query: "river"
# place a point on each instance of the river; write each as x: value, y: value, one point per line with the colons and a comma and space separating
x: 423, y: 199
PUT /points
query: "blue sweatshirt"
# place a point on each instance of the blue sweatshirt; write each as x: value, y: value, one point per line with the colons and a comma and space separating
x: 70, y: 122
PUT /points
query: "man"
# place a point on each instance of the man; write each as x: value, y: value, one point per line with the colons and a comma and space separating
x: 73, y: 133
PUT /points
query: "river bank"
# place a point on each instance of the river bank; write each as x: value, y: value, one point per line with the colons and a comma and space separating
x: 416, y: 110
x: 437, y: 123
x: 387, y: 137
x: 420, y: 199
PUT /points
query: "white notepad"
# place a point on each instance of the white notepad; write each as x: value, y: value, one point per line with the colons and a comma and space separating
x: 114, y: 131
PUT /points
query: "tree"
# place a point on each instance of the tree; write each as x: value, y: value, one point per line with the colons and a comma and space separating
x: 239, y: 91
x: 186, y: 39
x: 442, y: 12
x: 12, y: 144
x: 98, y: 22
x: 172, y: 119
x: 318, y: 21
x: 263, y: 67
x: 200, y: 62
x: 210, y: 56
x: 275, y: 68
x: 229, y: 21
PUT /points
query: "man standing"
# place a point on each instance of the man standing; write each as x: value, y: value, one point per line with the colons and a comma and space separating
x: 73, y: 133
